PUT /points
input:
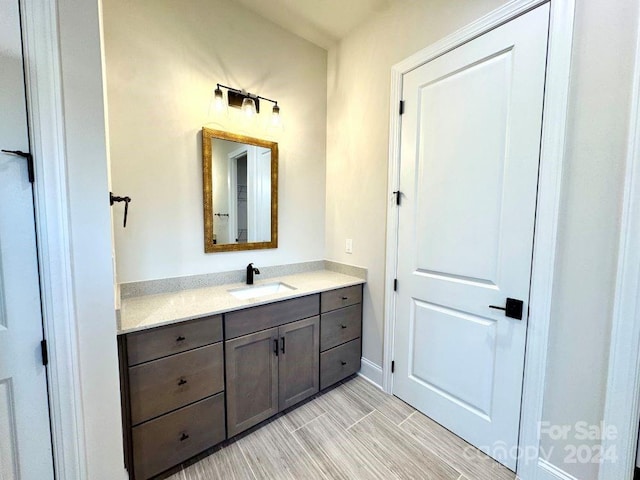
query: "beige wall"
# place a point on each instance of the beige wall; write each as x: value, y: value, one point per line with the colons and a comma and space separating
x: 163, y: 59
x: 357, y: 145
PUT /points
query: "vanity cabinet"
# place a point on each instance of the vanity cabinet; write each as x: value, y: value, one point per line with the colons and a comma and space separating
x: 274, y: 368
x: 172, y: 394
x: 188, y: 386
x: 341, y: 330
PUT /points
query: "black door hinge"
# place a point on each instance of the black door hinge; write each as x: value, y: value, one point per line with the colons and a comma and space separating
x: 398, y: 194
x: 395, y: 284
x: 393, y: 366
x: 29, y: 158
x: 401, y: 107
x: 45, y: 353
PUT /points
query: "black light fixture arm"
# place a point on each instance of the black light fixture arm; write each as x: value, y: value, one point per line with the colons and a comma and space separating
x: 246, y: 94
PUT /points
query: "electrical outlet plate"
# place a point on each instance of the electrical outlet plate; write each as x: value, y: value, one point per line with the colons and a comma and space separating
x: 349, y: 246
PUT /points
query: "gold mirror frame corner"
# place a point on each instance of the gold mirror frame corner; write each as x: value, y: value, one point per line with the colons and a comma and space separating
x: 207, y: 188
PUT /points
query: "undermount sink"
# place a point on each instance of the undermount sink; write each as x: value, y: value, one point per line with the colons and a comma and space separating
x: 257, y: 291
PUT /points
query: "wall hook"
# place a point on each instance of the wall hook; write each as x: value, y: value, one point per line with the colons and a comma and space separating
x: 113, y: 199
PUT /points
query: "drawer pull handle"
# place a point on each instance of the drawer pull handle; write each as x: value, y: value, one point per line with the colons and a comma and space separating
x: 183, y: 437
x: 343, y: 363
x: 282, y: 344
x: 180, y: 339
x: 345, y: 298
x: 275, y: 347
x: 182, y: 382
x: 343, y: 326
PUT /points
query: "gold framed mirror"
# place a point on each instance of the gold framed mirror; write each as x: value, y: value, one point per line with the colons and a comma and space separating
x: 240, y: 192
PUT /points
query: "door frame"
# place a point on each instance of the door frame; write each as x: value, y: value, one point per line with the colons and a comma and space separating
x: 41, y: 47
x: 554, y: 127
x: 622, y: 404
x: 232, y: 179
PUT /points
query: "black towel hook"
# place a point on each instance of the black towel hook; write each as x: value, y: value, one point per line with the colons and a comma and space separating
x: 113, y: 199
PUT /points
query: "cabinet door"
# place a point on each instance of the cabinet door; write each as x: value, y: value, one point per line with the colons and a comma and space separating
x: 252, y: 379
x: 299, y: 361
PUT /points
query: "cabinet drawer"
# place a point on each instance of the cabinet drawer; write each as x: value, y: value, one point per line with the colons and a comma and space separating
x: 163, y: 341
x: 339, y: 363
x: 163, y: 385
x: 340, y: 326
x: 343, y: 297
x: 173, y: 438
x: 251, y: 320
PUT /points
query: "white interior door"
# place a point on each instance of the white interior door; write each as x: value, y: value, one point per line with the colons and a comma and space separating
x: 25, y: 440
x: 470, y: 146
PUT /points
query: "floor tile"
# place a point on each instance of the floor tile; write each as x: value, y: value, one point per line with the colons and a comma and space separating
x: 176, y: 476
x: 228, y: 463
x: 391, y: 407
x: 404, y: 456
x: 344, y: 405
x: 465, y: 458
x: 301, y: 415
x: 337, y: 453
x: 353, y: 431
x: 273, y: 453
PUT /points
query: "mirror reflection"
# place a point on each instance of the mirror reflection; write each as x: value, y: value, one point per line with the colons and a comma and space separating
x: 240, y: 191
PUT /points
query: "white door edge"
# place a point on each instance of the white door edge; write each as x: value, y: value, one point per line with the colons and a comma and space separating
x: 622, y: 404
x: 551, y: 162
x: 41, y: 51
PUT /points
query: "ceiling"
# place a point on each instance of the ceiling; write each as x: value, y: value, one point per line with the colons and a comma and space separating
x: 322, y: 22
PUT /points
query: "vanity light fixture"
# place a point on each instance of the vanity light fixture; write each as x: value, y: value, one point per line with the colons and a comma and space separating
x: 247, y: 102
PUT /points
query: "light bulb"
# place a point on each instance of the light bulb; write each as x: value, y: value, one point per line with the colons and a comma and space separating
x: 249, y: 107
x: 276, y: 120
x: 218, y: 103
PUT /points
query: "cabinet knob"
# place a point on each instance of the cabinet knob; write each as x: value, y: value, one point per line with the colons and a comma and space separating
x: 343, y: 363
x: 343, y: 326
x: 183, y: 437
x: 345, y: 298
x: 182, y: 382
x: 180, y: 339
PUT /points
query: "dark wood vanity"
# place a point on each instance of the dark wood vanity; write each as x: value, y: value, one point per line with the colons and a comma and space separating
x: 188, y: 386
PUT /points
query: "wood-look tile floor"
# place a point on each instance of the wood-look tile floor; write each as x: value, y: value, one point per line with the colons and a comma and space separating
x: 353, y: 431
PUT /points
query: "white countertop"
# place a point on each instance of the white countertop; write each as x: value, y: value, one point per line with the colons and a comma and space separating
x: 149, y: 311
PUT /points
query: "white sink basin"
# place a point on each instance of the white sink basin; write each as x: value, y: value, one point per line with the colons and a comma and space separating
x: 257, y: 291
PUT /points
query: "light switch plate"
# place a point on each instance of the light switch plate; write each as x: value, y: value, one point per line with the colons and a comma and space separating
x: 349, y: 246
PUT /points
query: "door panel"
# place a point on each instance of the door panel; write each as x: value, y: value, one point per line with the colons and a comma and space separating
x: 466, y: 215
x: 470, y: 145
x: 299, y: 365
x: 9, y: 450
x: 453, y: 335
x: 25, y: 439
x: 252, y: 379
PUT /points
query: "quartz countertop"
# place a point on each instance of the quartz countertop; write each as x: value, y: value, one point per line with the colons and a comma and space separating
x: 149, y: 311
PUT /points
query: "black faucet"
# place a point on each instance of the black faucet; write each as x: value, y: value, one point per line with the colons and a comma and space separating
x: 250, y: 271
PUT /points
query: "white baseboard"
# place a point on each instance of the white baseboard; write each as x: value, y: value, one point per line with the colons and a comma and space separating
x: 548, y: 471
x: 371, y: 372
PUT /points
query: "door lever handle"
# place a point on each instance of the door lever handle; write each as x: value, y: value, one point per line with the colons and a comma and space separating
x: 512, y: 309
